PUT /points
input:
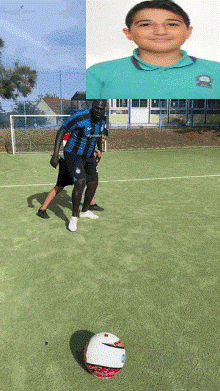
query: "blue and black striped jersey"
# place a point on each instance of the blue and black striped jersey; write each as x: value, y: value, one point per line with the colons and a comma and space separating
x: 83, y: 133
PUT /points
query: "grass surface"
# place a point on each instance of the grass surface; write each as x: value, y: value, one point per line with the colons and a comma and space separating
x: 147, y: 271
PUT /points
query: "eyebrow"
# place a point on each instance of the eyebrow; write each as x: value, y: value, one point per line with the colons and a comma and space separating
x: 151, y: 20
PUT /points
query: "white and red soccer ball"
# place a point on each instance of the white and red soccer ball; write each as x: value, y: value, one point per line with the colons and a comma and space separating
x: 104, y: 355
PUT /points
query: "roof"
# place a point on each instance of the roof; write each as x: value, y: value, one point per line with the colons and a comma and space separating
x: 54, y: 104
x: 79, y: 95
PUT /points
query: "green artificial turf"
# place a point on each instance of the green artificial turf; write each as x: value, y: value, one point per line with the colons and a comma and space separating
x: 147, y: 271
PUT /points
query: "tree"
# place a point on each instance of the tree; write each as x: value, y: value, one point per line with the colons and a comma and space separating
x: 51, y: 96
x: 16, y: 81
x: 30, y: 109
x: 4, y: 119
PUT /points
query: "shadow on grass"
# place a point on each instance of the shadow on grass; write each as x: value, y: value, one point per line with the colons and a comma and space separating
x: 78, y: 342
x: 61, y: 201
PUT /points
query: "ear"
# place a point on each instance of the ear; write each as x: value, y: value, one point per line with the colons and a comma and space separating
x: 128, y: 34
x: 190, y: 29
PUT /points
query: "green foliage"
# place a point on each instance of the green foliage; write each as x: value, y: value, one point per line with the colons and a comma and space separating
x: 178, y: 121
x: 4, y: 119
x: 1, y: 43
x: 28, y: 108
x: 16, y: 81
x: 51, y: 96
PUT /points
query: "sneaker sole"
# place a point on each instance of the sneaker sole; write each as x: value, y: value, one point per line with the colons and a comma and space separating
x: 74, y: 228
x: 42, y: 217
x: 87, y: 217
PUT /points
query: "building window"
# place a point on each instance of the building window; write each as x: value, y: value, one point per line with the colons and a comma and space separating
x: 159, y: 103
x: 199, y: 103
x: 143, y: 102
x: 214, y: 103
x: 174, y: 103
x: 121, y: 102
x: 135, y: 103
x: 178, y: 103
x: 182, y: 103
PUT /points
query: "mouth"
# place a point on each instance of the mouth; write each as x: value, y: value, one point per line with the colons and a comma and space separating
x: 161, y: 39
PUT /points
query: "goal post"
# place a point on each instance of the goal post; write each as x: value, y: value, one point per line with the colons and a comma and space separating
x: 35, y: 133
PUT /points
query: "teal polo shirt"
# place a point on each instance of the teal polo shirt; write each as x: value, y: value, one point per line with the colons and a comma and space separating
x: 133, y: 78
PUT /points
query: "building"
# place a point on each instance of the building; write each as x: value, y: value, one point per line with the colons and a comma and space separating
x: 156, y: 112
x: 54, y: 106
x: 80, y: 102
x: 163, y: 112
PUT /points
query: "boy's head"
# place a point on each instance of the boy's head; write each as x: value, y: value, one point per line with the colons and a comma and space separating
x: 157, y: 25
x: 157, y: 4
x: 98, y: 108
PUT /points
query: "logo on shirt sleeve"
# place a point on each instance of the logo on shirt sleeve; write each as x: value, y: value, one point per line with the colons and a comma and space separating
x: 204, y: 81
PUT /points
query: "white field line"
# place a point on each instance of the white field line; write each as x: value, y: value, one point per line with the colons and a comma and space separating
x: 123, y: 180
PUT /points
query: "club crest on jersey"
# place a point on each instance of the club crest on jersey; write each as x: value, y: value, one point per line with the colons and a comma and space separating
x: 78, y: 171
x: 204, y: 81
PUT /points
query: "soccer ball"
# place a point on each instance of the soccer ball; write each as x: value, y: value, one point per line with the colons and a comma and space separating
x: 104, y: 355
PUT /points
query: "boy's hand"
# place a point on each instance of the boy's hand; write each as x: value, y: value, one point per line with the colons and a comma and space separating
x: 98, y: 155
x: 54, y: 160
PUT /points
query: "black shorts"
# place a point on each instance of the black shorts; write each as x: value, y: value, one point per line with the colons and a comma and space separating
x: 63, y: 179
x: 77, y: 167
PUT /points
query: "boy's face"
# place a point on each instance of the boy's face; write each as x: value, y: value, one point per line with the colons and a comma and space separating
x: 158, y: 30
x: 98, y: 108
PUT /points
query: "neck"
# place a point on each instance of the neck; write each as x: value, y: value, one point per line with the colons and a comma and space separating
x: 94, y: 118
x: 164, y: 59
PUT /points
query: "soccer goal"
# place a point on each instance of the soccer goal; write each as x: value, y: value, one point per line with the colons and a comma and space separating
x: 35, y: 133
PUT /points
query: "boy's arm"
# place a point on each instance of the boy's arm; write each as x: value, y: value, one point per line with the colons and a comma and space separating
x: 99, y: 146
x: 59, y: 138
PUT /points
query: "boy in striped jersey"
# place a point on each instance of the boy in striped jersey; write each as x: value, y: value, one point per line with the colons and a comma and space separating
x: 86, y: 129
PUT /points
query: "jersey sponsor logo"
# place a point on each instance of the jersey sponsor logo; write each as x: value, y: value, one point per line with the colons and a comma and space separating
x: 204, y: 81
x: 93, y: 135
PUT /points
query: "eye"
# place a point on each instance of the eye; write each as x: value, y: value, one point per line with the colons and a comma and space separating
x: 173, y: 24
x: 144, y: 24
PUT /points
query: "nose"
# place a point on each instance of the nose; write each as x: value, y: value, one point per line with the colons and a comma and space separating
x: 160, y: 29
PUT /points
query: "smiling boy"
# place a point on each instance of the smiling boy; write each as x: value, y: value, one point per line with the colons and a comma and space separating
x: 158, y: 67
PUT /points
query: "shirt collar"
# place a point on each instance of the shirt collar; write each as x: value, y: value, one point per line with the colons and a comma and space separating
x: 142, y: 65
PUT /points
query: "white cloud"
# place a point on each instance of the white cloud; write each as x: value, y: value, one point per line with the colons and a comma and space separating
x: 19, y: 33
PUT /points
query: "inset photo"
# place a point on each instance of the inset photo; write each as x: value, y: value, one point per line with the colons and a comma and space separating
x: 155, y: 48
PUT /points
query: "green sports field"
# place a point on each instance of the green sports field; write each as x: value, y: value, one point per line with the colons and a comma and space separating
x: 147, y: 270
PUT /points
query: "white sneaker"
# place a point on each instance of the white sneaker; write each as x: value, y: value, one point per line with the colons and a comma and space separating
x: 73, y: 224
x: 89, y: 215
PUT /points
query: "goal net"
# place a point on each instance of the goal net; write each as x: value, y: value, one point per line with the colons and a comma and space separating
x: 35, y: 133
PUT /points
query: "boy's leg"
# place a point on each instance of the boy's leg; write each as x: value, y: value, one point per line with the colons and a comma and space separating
x: 89, y: 194
x: 51, y: 195
x: 78, y: 189
x: 94, y: 206
x: 92, y: 184
x: 93, y: 202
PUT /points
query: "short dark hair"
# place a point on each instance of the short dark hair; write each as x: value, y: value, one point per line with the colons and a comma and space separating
x: 96, y: 102
x: 157, y: 4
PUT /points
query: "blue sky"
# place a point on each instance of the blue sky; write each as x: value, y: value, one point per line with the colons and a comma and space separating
x: 49, y: 36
